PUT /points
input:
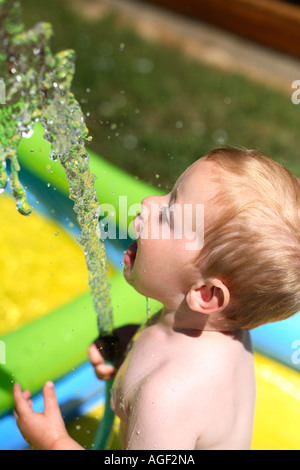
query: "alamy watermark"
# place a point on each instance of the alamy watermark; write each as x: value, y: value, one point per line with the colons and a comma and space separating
x: 296, y: 353
x: 296, y: 95
x: 154, y: 221
x: 2, y: 353
x: 2, y: 91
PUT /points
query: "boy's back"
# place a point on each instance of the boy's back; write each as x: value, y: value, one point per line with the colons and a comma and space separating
x: 176, y: 390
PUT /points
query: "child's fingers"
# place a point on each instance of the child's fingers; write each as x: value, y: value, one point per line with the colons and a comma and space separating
x: 105, y: 371
x: 95, y: 355
x: 50, y: 400
x: 21, y: 404
x: 17, y: 417
x: 26, y: 394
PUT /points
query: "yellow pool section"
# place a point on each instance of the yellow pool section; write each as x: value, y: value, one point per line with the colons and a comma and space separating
x: 277, y: 419
x: 42, y: 268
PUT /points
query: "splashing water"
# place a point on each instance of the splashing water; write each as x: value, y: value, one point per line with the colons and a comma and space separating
x: 37, y: 86
x: 147, y: 308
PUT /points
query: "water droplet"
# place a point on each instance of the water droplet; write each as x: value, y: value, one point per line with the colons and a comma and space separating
x: 130, y: 142
x: 179, y: 124
x: 220, y: 136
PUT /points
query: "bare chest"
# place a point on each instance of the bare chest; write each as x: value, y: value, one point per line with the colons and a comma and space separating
x: 147, y: 353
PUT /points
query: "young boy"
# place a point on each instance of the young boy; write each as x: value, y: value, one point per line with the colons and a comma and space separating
x: 188, y: 380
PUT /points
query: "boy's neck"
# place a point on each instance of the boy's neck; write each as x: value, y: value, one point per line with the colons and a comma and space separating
x: 185, y: 320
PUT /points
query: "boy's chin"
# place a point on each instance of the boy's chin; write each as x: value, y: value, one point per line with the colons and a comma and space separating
x: 131, y: 276
x: 127, y: 272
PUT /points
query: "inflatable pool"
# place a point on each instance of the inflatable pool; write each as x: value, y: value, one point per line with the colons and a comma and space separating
x: 52, y: 343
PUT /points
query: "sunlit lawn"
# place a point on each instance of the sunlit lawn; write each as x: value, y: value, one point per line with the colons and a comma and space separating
x: 153, y: 111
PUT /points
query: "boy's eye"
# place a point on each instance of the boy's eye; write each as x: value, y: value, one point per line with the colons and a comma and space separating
x: 164, y: 214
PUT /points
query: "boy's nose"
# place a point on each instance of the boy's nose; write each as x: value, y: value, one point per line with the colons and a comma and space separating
x: 146, y: 207
x: 150, y: 200
x: 150, y: 203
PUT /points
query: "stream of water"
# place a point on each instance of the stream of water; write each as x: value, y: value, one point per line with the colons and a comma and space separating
x: 38, y: 88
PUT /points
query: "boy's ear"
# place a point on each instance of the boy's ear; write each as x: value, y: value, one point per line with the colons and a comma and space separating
x: 209, y: 298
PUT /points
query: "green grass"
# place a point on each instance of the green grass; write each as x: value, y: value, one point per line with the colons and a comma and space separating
x: 152, y: 111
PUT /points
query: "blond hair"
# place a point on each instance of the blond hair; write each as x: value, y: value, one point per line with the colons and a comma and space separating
x: 254, y: 243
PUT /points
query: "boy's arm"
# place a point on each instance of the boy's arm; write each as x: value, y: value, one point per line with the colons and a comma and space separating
x: 46, y: 430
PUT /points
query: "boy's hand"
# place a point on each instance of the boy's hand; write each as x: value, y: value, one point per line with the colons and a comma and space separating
x: 102, y: 370
x: 106, y: 371
x: 43, y: 431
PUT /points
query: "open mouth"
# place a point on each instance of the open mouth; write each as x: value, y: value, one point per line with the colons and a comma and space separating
x: 130, y: 255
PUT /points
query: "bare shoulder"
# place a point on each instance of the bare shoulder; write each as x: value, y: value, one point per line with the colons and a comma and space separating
x: 160, y: 416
